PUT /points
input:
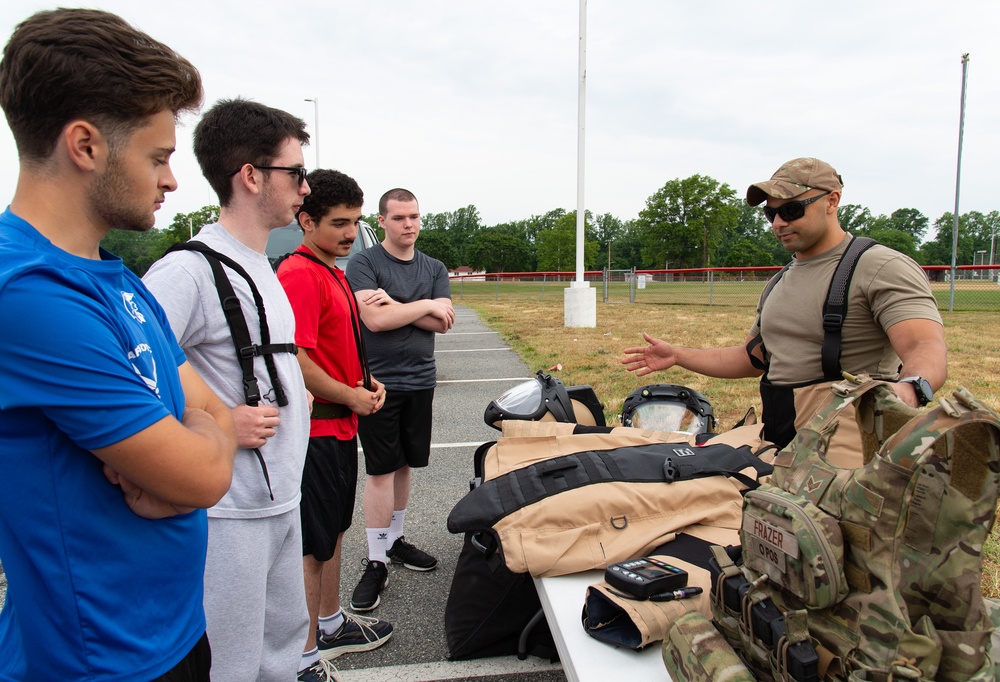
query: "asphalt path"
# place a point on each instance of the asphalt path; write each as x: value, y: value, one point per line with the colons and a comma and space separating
x: 474, y: 366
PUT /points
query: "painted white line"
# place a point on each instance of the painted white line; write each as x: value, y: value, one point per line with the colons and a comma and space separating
x: 450, y: 334
x: 471, y: 444
x: 480, y: 381
x: 449, y: 670
x: 471, y: 350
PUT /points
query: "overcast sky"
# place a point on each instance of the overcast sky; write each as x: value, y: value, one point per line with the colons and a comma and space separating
x: 472, y: 102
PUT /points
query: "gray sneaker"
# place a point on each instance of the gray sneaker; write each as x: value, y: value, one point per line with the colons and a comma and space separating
x: 358, y: 633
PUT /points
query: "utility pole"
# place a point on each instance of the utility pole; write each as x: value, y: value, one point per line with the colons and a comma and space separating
x: 315, y: 101
x: 958, y: 182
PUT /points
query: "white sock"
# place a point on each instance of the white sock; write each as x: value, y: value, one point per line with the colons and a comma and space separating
x: 309, y: 658
x: 330, y: 624
x: 376, y: 544
x: 395, y: 527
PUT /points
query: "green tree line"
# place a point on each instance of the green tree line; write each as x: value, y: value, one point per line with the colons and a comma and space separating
x: 690, y: 222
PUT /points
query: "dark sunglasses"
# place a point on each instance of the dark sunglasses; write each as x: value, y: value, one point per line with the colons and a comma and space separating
x: 792, y: 210
x: 300, y: 171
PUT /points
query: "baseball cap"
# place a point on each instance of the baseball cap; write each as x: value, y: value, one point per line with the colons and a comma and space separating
x: 794, y: 178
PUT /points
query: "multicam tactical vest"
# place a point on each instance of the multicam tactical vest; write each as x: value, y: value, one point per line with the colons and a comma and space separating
x: 876, y: 569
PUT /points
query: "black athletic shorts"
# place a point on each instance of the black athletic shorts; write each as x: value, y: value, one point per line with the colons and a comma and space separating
x: 196, y: 666
x: 399, y: 434
x: 329, y: 485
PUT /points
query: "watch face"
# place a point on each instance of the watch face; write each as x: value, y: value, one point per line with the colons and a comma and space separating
x: 923, y: 388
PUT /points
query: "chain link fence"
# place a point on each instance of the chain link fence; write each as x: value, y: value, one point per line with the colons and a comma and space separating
x: 975, y: 287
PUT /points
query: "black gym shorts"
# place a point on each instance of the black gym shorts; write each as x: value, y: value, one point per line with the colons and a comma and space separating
x: 329, y: 486
x: 399, y: 434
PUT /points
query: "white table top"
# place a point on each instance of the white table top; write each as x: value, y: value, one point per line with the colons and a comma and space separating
x: 584, y: 658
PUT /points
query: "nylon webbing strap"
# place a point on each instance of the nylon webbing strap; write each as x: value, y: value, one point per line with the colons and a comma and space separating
x: 352, y: 305
x: 835, y: 308
x: 763, y: 362
x: 246, y: 349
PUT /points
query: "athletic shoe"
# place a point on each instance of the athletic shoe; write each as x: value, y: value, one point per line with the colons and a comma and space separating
x: 412, y: 558
x: 358, y: 633
x: 320, y: 671
x: 373, y: 581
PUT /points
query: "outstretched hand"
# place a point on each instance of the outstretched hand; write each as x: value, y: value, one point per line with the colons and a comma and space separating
x: 645, y: 360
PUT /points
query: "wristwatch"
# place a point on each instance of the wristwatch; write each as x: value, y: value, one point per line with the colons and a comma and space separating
x: 925, y: 393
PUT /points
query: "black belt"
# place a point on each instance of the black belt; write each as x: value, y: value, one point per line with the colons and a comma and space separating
x: 330, y: 411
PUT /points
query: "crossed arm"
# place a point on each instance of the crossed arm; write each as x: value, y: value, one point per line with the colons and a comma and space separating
x: 174, y: 466
x: 380, y: 312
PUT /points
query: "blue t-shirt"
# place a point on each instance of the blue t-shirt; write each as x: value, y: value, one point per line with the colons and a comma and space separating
x: 94, y: 592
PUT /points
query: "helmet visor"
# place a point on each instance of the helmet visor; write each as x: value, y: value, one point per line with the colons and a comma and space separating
x: 667, y: 416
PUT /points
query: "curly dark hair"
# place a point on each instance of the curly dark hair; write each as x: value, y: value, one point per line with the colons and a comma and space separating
x: 238, y: 131
x: 329, y: 188
x: 68, y: 64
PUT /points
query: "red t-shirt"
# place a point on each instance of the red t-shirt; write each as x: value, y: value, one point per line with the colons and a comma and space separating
x: 323, y: 329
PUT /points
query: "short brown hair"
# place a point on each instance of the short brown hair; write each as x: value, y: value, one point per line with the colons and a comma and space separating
x: 397, y: 194
x: 68, y: 64
x: 239, y: 131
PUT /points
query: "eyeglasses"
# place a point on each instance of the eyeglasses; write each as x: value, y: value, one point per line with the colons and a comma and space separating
x: 300, y: 171
x: 792, y: 210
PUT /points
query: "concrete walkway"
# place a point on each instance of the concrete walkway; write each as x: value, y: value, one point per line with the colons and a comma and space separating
x: 474, y: 366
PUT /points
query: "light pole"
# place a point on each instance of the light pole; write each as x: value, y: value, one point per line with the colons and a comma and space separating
x: 315, y: 101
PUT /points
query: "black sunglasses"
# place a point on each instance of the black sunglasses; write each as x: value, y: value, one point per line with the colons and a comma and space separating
x: 792, y: 210
x: 300, y: 171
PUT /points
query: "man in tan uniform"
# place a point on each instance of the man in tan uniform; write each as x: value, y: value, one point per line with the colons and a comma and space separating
x: 891, y: 330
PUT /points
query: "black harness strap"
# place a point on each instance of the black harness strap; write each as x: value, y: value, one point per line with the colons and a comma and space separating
x: 834, y: 310
x: 246, y: 349
x: 352, y: 305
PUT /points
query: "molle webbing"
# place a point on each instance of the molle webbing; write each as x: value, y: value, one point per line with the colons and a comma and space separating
x: 662, y: 462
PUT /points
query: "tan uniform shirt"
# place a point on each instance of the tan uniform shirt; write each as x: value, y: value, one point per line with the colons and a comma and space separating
x: 887, y: 287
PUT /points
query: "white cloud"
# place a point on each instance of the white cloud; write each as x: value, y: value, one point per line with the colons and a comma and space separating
x: 476, y: 103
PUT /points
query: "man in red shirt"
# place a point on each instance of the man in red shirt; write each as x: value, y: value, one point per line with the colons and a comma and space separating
x: 335, y: 369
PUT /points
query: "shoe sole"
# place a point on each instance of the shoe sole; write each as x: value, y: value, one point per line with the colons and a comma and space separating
x: 412, y: 567
x: 330, y: 654
x: 378, y: 600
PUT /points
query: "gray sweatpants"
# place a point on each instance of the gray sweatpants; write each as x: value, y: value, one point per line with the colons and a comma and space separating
x: 255, y: 600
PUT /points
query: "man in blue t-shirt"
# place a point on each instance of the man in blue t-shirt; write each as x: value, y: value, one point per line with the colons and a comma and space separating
x: 110, y: 444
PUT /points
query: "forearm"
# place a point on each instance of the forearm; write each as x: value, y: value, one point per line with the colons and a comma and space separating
x: 321, y: 384
x: 928, y: 360
x: 187, y: 463
x: 380, y: 318
x: 730, y: 362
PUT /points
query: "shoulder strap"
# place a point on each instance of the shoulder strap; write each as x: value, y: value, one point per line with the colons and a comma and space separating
x: 246, y: 350
x: 352, y: 305
x: 835, y: 308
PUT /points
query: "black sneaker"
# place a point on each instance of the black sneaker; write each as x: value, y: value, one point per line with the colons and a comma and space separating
x: 412, y: 558
x: 373, y: 581
x: 320, y: 671
x: 358, y: 633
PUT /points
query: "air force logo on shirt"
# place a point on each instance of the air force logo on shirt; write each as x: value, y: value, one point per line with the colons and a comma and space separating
x: 128, y: 298
x: 140, y: 355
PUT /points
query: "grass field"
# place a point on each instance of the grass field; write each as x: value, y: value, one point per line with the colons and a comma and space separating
x: 720, y: 291
x: 534, y: 328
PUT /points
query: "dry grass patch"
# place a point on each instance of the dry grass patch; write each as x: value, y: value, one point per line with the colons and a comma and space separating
x: 592, y: 356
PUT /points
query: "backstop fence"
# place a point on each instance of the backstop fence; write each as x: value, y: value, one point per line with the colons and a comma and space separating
x: 975, y: 287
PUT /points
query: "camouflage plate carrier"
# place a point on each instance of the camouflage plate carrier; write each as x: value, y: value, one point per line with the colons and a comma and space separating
x: 870, y: 573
